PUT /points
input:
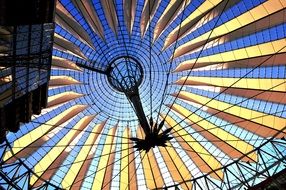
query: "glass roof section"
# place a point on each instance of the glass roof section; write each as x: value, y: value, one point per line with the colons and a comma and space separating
x: 212, y: 70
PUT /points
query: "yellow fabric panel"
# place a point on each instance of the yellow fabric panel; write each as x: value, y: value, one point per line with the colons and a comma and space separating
x: 204, y: 7
x: 249, y: 83
x: 67, y: 46
x: 172, y: 3
x: 64, y: 63
x: 63, y: 98
x: 102, y: 165
x: 198, y: 149
x: 151, y: 168
x: 27, y: 139
x: 147, y: 15
x: 88, y: 12
x: 124, y: 164
x: 153, y: 176
x: 110, y: 14
x: 109, y: 169
x: 268, y: 120
x: 258, y: 12
x: 68, y: 22
x: 47, y: 160
x: 176, y: 166
x: 82, y: 155
x: 171, y: 11
x: 57, y: 81
x: 268, y: 48
x: 129, y: 13
x: 217, y: 131
x: 132, y: 167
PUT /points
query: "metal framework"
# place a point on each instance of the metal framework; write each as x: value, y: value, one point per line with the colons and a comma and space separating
x: 158, y: 94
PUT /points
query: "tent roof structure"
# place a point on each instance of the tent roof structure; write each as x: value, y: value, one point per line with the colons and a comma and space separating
x: 214, y: 71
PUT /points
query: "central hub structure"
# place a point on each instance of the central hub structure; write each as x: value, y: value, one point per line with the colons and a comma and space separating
x: 125, y: 74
